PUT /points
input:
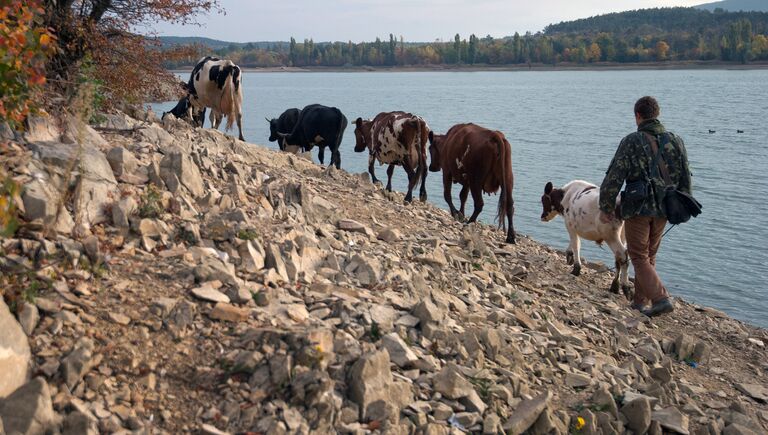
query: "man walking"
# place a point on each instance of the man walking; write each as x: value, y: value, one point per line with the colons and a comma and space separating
x: 639, y: 165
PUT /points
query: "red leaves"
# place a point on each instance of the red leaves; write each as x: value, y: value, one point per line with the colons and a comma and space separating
x: 24, y: 49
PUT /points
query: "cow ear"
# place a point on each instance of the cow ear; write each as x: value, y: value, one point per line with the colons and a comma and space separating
x: 359, y: 122
x: 548, y: 188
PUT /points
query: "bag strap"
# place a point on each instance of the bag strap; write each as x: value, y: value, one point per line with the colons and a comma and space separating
x: 658, y: 159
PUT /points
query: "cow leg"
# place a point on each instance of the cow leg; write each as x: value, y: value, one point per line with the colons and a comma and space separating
x: 336, y: 158
x: 321, y: 154
x: 621, y: 278
x: 413, y: 178
x: 371, y: 170
x: 390, y: 171
x: 463, y: 197
x: 214, y: 121
x: 448, y: 199
x: 510, y: 213
x: 423, y: 188
x: 477, y: 197
x: 574, y: 249
x: 240, y: 126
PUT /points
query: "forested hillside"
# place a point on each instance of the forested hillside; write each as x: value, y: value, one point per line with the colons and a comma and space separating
x: 736, y: 5
x: 647, y: 35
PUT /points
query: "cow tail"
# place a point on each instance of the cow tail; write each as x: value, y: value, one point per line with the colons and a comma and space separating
x: 229, y: 97
x: 342, y: 127
x: 419, y: 145
x: 506, y: 183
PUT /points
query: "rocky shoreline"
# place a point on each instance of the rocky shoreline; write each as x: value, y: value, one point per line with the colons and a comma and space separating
x: 167, y: 279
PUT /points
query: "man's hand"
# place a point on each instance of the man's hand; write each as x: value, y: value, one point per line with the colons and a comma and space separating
x: 606, y: 218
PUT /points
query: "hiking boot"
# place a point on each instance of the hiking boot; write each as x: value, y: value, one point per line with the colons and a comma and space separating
x: 638, y: 306
x: 662, y: 306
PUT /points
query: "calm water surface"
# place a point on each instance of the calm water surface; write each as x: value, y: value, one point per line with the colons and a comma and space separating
x: 565, y: 125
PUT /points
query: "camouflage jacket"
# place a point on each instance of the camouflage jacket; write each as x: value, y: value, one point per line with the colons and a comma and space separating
x: 633, y: 161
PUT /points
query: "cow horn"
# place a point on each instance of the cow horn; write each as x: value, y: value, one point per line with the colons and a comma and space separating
x: 268, y: 120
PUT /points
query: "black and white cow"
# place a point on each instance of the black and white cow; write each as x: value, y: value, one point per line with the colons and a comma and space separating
x: 396, y: 138
x: 283, y: 124
x: 318, y: 125
x: 217, y: 84
x: 184, y: 110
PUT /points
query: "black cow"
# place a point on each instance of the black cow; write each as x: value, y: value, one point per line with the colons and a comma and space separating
x: 318, y: 125
x: 184, y: 108
x: 284, y: 124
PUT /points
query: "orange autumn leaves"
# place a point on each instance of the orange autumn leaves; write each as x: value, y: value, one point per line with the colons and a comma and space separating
x: 25, y: 45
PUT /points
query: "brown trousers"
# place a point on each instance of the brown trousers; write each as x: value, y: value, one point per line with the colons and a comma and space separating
x: 643, y: 239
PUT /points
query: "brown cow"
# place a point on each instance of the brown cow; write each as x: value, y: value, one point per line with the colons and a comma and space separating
x: 481, y: 161
x: 395, y: 138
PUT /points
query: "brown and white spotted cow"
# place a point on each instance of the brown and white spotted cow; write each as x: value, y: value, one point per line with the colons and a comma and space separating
x: 396, y: 138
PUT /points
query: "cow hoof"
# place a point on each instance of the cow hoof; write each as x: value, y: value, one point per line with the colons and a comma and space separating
x: 510, y: 240
x: 423, y: 197
x: 408, y: 199
x: 629, y: 293
x: 615, y: 287
x: 568, y: 257
x: 576, y: 271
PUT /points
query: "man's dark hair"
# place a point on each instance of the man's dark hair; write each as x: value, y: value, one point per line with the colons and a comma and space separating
x: 647, y: 108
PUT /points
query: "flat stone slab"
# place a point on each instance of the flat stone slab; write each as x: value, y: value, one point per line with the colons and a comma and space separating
x: 210, y: 294
x: 755, y: 391
x: 672, y: 419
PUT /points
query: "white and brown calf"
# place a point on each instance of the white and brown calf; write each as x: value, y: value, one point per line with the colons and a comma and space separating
x: 578, y: 203
x: 396, y: 138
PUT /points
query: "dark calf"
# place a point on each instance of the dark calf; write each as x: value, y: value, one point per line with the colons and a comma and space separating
x: 284, y: 124
x: 318, y: 125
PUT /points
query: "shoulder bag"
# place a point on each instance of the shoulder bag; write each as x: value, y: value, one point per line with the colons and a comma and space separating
x: 677, y: 206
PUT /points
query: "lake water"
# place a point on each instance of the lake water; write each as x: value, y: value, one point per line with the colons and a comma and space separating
x: 565, y: 125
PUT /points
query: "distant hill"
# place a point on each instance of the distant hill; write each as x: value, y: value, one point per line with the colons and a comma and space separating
x: 215, y: 44
x: 639, y: 36
x: 659, y: 21
x: 736, y: 5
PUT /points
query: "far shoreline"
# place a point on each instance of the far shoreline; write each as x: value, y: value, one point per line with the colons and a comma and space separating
x: 602, y: 66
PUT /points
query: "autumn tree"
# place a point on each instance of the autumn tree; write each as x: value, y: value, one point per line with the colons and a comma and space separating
x: 594, y: 52
x: 662, y: 50
x: 106, y: 33
x: 25, y: 45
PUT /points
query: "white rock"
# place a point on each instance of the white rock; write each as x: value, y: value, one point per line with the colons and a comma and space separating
x: 210, y: 294
x: 399, y: 352
x: 15, y: 356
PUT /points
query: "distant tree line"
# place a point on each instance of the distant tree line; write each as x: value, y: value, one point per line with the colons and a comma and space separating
x: 648, y: 35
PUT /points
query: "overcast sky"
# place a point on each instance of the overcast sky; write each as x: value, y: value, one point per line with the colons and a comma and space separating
x: 415, y: 20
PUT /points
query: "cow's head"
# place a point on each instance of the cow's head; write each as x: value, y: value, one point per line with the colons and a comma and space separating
x: 362, y: 134
x: 435, y: 146
x: 552, y: 202
x: 283, y: 140
x: 272, y: 129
